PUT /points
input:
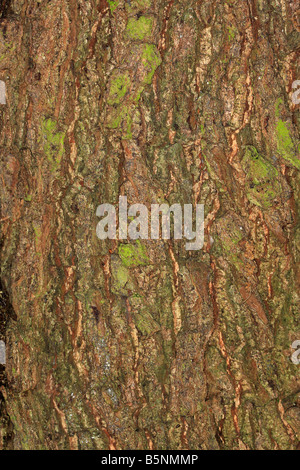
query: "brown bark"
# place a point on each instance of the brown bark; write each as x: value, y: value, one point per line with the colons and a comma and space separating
x: 176, y: 101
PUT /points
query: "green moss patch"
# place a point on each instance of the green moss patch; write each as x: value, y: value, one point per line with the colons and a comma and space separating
x: 123, y: 98
x: 139, y: 28
x: 262, y: 184
x: 151, y: 59
x: 113, y: 4
x: 285, y: 145
x: 119, y: 86
x: 133, y: 254
x: 53, y: 142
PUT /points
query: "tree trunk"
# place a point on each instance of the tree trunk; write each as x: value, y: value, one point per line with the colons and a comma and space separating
x: 174, y: 101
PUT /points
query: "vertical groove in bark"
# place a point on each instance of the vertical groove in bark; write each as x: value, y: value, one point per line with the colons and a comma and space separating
x: 163, y: 101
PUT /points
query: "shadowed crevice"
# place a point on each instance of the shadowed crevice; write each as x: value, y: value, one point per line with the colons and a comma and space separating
x: 6, y: 427
x: 5, y: 8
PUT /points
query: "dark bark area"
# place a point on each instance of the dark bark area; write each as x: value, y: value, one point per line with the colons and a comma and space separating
x: 176, y: 101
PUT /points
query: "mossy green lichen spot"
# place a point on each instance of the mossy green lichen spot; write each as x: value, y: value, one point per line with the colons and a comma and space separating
x: 151, y: 60
x: 262, y: 185
x: 285, y: 145
x: 231, y: 33
x: 133, y: 254
x: 113, y: 4
x: 53, y: 142
x: 140, y: 28
x: 119, y: 86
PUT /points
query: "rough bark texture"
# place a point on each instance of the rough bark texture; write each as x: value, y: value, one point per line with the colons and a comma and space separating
x: 116, y: 345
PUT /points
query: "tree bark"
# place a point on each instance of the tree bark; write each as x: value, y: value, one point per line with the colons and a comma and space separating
x: 175, y: 101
